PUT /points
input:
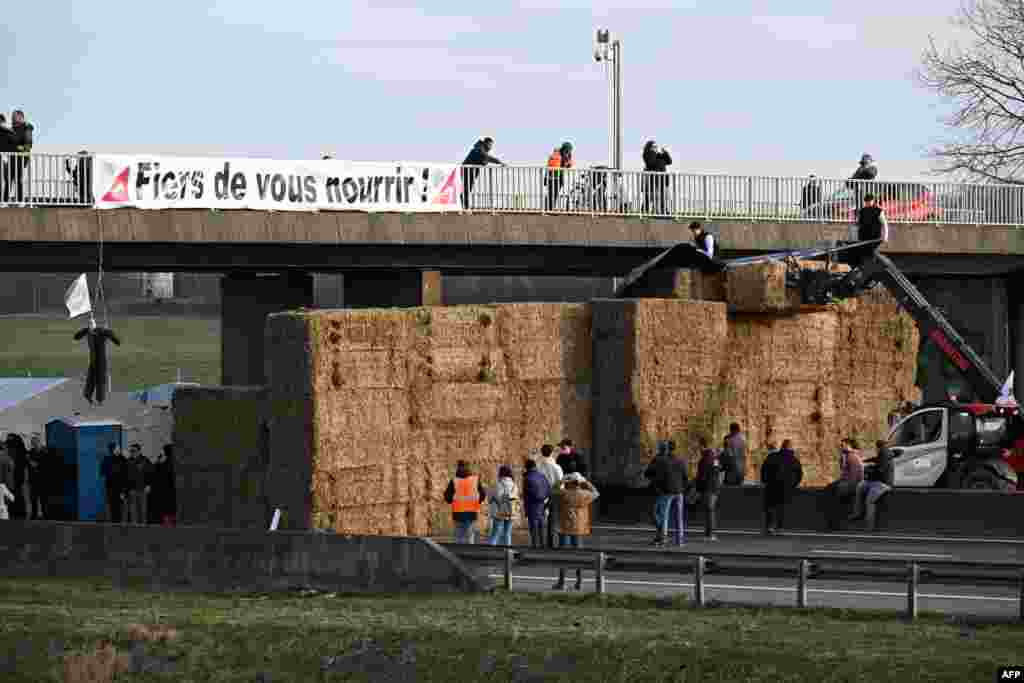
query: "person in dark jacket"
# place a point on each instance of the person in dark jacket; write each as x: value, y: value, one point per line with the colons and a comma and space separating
x: 656, y: 160
x: 112, y: 471
x: 163, y: 500
x: 734, y: 456
x: 465, y: 506
x: 6, y: 148
x: 567, y: 453
x: 781, y: 475
x: 668, y: 476
x: 80, y: 170
x: 479, y: 155
x: 36, y: 479
x: 536, y: 492
x: 19, y: 454
x: 709, y: 484
x: 97, y: 377
x: 810, y: 195
x: 22, y: 133
x: 878, y: 481
x: 138, y: 473
x: 702, y: 239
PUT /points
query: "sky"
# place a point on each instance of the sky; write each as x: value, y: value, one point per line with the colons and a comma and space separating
x: 787, y: 87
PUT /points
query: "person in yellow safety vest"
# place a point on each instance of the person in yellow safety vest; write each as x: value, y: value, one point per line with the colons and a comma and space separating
x: 465, y: 494
x: 554, y: 178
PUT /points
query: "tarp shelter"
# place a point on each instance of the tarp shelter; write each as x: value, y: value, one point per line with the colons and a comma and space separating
x: 29, y: 407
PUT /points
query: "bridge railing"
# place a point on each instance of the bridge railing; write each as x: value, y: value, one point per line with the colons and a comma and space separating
x: 66, y: 179
x: 604, y: 191
x: 45, y: 179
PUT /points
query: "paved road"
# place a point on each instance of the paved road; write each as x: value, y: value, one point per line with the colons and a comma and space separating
x: 988, y: 601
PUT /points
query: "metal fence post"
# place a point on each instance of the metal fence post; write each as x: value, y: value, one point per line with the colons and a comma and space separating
x: 599, y: 574
x: 1020, y: 583
x: 912, y: 591
x: 750, y: 197
x: 704, y: 196
x: 508, y: 568
x: 801, y: 585
x: 698, y: 584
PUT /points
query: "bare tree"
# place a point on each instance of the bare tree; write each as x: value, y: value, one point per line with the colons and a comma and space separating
x: 984, y: 82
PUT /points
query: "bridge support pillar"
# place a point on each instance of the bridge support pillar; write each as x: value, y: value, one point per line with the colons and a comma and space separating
x: 246, y: 301
x: 394, y: 288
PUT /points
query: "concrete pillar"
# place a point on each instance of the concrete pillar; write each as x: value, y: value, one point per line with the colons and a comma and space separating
x: 1016, y: 306
x: 246, y: 300
x: 392, y: 289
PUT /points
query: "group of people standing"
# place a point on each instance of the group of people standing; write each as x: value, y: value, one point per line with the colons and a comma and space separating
x: 139, y: 491
x: 31, y: 478
x: 555, y: 498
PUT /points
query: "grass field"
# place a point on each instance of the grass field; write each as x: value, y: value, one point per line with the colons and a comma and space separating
x: 151, y: 352
x: 499, y: 637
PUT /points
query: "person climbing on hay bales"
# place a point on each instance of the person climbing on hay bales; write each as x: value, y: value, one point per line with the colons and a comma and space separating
x: 575, y: 496
x: 465, y: 493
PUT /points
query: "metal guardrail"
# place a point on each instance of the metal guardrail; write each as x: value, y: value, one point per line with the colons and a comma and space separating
x: 30, y: 179
x: 65, y: 180
x: 802, y: 567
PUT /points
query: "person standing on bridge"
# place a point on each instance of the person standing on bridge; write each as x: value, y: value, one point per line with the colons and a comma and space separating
x: 22, y: 130
x: 478, y: 157
x: 865, y: 173
x: 655, y: 187
x: 781, y: 475
x: 465, y: 493
x: 6, y: 150
x: 554, y: 177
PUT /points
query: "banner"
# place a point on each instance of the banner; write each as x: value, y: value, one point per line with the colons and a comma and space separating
x: 161, y: 182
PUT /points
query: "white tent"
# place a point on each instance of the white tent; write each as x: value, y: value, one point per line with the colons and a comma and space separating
x: 149, y: 426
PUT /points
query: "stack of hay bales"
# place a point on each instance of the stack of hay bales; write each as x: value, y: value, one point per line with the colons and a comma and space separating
x: 399, y: 395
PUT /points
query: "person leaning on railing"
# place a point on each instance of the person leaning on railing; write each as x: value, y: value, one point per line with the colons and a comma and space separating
x: 22, y: 130
x: 80, y: 170
x: 554, y: 178
x: 479, y: 156
x: 6, y: 149
x: 656, y: 160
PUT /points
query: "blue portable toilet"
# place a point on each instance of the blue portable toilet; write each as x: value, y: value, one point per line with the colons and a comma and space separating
x: 82, y: 445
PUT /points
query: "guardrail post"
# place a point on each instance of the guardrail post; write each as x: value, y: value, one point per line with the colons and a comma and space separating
x: 912, y: 591
x: 1020, y: 583
x: 801, y: 585
x: 698, y: 584
x: 509, y: 556
x: 599, y: 574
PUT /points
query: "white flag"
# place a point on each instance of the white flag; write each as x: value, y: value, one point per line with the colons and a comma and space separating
x: 77, y: 297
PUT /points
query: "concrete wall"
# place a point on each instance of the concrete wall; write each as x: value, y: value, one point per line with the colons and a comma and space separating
x: 980, y: 514
x: 78, y: 225
x: 208, y: 559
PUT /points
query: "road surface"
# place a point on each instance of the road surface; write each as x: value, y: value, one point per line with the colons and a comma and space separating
x: 961, y: 599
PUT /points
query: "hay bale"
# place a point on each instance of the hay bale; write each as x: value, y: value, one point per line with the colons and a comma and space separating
x: 757, y: 288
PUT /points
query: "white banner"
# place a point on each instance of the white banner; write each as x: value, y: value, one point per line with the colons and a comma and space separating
x: 161, y: 182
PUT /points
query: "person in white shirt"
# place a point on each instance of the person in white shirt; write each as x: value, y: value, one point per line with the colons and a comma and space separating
x: 704, y: 241
x: 5, y: 496
x: 553, y: 473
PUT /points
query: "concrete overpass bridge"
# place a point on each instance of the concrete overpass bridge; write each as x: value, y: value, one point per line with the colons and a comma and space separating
x: 971, y: 270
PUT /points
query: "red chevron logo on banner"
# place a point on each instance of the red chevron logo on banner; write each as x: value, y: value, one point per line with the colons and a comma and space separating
x: 447, y: 195
x: 118, y: 191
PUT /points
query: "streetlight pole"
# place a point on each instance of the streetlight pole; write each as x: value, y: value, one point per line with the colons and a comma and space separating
x: 610, y: 52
